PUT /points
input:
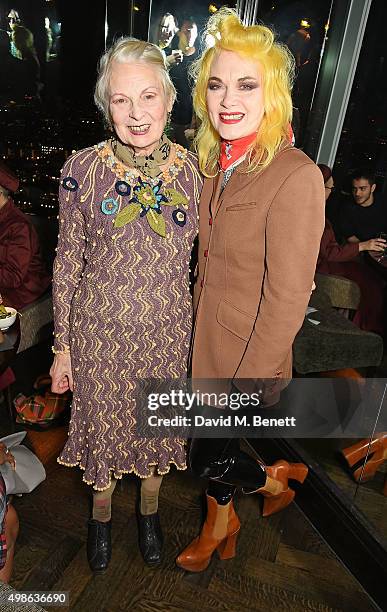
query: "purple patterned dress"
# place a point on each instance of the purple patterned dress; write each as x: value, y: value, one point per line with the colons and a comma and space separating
x: 122, y: 303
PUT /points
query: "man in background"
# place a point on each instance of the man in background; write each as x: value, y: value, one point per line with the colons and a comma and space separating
x: 365, y: 217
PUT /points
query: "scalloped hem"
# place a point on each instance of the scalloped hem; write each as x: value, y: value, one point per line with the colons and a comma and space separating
x: 118, y: 476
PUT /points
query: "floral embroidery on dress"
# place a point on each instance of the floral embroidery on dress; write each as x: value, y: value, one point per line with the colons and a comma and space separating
x: 180, y: 217
x: 109, y: 206
x: 146, y: 202
x: 123, y: 188
x: 149, y: 195
x: 70, y: 183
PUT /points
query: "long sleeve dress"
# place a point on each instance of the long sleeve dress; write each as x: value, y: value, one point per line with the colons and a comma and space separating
x: 122, y: 303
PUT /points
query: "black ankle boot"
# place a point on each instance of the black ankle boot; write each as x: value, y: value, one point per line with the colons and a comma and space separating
x: 99, y: 545
x: 150, y: 538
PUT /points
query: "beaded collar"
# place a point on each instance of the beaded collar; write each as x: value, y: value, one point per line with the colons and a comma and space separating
x: 131, y: 175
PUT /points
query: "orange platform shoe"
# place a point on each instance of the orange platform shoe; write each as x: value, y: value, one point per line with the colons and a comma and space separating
x: 197, y: 556
x: 365, y: 458
x: 282, y: 472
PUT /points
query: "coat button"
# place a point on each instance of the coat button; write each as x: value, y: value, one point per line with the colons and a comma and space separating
x: 206, y: 253
x: 210, y: 221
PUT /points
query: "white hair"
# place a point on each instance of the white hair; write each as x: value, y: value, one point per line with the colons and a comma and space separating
x: 127, y: 50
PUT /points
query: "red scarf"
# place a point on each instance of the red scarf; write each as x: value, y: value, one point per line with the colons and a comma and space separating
x: 232, y: 150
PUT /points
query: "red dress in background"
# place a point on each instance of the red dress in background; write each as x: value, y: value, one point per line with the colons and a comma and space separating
x: 23, y: 277
x: 341, y: 261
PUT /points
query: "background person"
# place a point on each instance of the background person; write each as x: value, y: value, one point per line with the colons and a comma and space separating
x: 166, y: 32
x: 9, y: 522
x: 182, y: 113
x: 344, y: 261
x: 23, y: 277
x: 365, y: 217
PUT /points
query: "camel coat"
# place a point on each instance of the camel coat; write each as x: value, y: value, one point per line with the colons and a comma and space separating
x: 259, y: 240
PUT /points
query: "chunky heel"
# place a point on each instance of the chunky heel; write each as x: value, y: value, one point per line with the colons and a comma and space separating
x: 355, y: 453
x: 197, y: 556
x: 371, y: 466
x: 227, y: 547
x: 276, y: 503
x: 298, y: 471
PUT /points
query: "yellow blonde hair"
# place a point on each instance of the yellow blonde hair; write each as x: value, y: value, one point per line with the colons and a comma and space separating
x: 257, y: 43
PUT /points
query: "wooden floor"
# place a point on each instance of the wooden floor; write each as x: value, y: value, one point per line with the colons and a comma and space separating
x: 282, y: 564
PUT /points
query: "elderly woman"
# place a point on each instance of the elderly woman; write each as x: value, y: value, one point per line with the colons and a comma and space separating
x: 261, y: 220
x: 128, y: 218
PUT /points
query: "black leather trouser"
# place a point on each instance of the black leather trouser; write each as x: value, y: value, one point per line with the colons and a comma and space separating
x: 226, y: 465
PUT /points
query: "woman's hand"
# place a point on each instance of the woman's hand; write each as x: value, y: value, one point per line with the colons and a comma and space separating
x: 6, y: 456
x: 61, y: 373
x: 375, y: 244
x: 175, y: 58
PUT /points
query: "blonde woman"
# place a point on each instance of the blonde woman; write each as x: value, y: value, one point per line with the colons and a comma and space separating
x: 123, y: 311
x: 261, y: 221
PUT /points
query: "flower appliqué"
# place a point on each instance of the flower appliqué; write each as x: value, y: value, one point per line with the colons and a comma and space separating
x: 180, y: 217
x: 148, y: 196
x: 146, y: 202
x: 109, y: 206
x: 123, y: 188
x: 70, y: 183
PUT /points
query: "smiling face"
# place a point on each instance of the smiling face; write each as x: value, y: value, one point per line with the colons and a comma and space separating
x: 234, y: 96
x: 138, y: 105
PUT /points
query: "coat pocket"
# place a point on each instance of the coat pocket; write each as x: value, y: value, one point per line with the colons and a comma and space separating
x: 234, y: 320
x: 241, y: 206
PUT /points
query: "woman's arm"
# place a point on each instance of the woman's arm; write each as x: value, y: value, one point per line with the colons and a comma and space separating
x: 68, y: 268
x: 330, y: 250
x: 16, y: 256
x: 294, y: 228
x: 69, y: 261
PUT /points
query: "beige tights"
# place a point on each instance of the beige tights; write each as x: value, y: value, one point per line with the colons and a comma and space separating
x: 150, y: 494
x: 102, y: 503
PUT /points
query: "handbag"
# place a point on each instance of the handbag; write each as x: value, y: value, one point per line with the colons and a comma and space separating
x: 29, y: 471
x: 43, y: 409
